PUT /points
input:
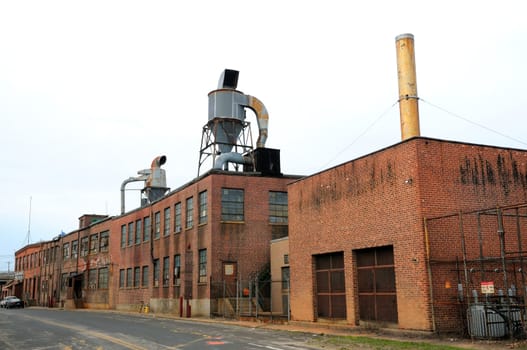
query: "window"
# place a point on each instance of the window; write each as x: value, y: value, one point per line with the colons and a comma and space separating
x: 166, y: 268
x: 138, y: 231
x: 94, y: 243
x: 277, y: 207
x: 202, y: 266
x: 147, y: 228
x: 103, y: 278
x: 166, y: 225
x: 129, y: 277
x: 137, y: 276
x: 156, y: 272
x: 190, y: 212
x: 66, y: 251
x: 177, y: 269
x: 84, y: 246
x: 203, y: 207
x: 123, y: 236
x: 157, y: 220
x: 92, y: 279
x: 146, y: 272
x: 64, y: 281
x: 105, y: 239
x: 177, y: 217
x: 232, y: 204
x: 285, y: 278
x: 74, y: 249
x: 131, y: 233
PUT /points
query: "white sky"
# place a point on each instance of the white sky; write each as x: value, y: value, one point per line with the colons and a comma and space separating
x: 91, y: 92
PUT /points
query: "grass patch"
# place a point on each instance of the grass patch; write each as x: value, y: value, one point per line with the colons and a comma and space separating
x: 351, y: 342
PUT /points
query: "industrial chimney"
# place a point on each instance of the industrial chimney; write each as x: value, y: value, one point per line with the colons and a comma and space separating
x: 408, y: 99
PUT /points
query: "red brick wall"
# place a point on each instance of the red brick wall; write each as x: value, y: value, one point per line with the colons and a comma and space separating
x: 381, y: 199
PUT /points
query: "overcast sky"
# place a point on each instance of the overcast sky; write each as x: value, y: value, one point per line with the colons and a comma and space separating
x: 92, y: 91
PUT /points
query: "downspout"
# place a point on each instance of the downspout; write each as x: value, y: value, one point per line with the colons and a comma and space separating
x: 429, y: 270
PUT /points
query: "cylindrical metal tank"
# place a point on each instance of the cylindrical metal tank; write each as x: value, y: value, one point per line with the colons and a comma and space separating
x: 226, y: 116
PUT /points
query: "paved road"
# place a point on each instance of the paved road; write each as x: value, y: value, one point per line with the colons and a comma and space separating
x: 43, y: 329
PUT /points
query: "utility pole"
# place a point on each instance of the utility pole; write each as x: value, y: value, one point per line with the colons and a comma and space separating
x: 8, y: 263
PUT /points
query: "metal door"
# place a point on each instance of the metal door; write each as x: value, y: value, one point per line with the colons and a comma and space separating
x: 330, y: 286
x: 376, y: 281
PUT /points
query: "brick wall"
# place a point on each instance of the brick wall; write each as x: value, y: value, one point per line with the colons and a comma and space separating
x: 381, y: 199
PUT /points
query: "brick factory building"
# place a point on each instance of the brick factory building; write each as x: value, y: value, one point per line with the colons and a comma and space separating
x: 408, y: 236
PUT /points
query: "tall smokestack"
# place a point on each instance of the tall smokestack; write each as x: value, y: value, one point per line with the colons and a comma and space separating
x: 408, y: 100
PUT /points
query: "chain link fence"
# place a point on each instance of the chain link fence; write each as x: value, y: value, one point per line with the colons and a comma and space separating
x: 253, y: 298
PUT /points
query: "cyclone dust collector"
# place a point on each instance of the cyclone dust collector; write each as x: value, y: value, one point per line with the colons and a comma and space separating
x: 155, y: 183
x: 227, y: 138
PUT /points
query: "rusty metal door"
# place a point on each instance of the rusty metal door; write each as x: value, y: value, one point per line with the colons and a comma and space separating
x: 331, y: 292
x: 376, y: 281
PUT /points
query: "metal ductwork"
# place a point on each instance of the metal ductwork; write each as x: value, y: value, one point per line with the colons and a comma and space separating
x: 408, y: 99
x: 227, y: 118
x: 155, y: 182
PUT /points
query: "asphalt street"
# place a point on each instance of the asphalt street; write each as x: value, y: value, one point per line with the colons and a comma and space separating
x: 42, y: 329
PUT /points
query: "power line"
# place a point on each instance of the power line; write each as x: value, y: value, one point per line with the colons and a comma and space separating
x: 473, y: 123
x: 360, y: 135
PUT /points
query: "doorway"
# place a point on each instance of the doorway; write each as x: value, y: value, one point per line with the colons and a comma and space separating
x: 330, y: 286
x: 376, y: 284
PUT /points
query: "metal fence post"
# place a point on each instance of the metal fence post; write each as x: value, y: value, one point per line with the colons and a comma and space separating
x: 257, y: 295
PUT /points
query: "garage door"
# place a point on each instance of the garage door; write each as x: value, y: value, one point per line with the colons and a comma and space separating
x: 331, y: 294
x: 376, y: 281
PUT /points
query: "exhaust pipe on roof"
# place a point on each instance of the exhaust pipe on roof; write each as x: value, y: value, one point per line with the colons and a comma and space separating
x: 408, y: 99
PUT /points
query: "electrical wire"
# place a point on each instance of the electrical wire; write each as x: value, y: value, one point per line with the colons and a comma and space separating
x: 368, y: 128
x: 472, y: 122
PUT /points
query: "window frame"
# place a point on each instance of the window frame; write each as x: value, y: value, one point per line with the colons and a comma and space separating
x: 105, y: 237
x: 203, y: 207
x: 166, y: 273
x: 278, y: 209
x: 177, y: 269
x: 103, y: 278
x: 177, y: 217
x: 157, y: 224
x: 189, y: 211
x: 232, y: 209
x: 147, y: 227
x: 166, y: 222
x: 138, y: 231
x: 202, y: 263
x: 123, y: 236
x: 145, y: 276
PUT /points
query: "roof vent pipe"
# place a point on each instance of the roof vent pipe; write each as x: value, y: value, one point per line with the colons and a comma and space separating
x: 408, y: 99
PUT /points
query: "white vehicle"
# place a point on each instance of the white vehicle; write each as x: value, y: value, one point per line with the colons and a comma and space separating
x: 11, y: 301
